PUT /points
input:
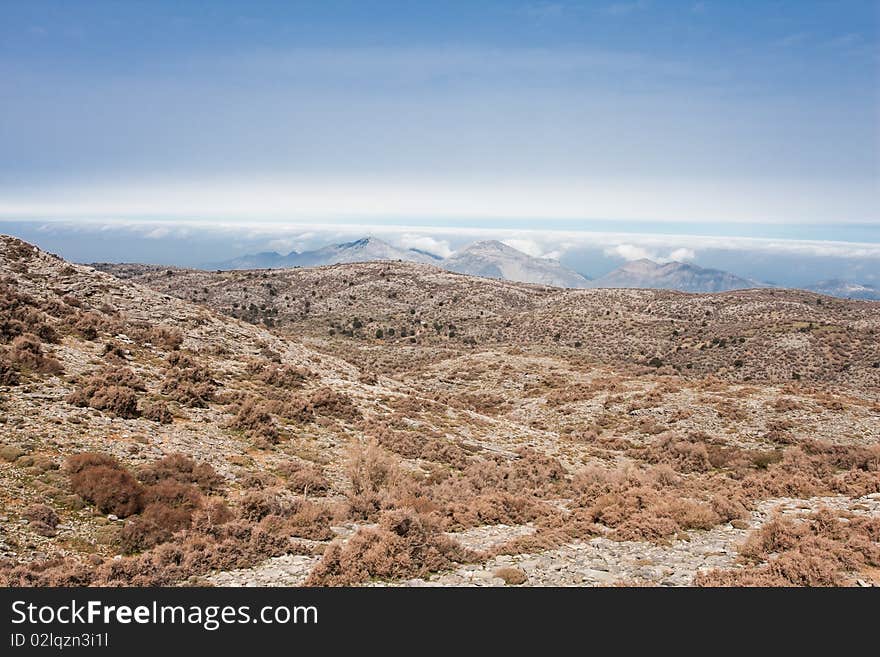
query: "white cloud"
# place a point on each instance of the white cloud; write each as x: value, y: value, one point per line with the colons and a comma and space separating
x: 546, y: 243
x: 529, y: 246
x: 425, y: 243
x: 309, y: 199
x: 682, y: 255
x: 631, y: 252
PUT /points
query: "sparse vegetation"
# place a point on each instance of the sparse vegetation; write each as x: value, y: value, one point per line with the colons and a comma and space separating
x: 389, y: 419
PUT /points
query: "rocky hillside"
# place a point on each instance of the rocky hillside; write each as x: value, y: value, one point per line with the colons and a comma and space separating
x: 394, y: 423
x: 751, y: 335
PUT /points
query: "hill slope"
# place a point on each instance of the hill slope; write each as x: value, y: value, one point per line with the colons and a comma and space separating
x: 498, y: 425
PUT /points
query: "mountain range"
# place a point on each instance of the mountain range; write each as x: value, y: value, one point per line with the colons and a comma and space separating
x: 489, y: 259
x: 494, y: 259
x: 846, y: 289
x: 680, y: 276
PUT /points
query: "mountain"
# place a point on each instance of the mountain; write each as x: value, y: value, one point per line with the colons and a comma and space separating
x: 366, y: 249
x: 846, y: 289
x: 490, y: 259
x: 264, y: 260
x: 680, y: 276
x: 493, y: 259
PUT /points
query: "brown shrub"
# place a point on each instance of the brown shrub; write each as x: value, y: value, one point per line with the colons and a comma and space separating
x: 27, y: 353
x: 328, y: 402
x: 373, y: 474
x: 76, y: 463
x: 42, y: 519
x: 284, y: 376
x: 110, y: 489
x: 166, y: 337
x: 819, y: 550
x: 683, y: 454
x: 157, y: 411
x: 254, y: 418
x: 256, y: 505
x: 156, y: 524
x: 404, y: 545
x: 181, y: 468
x: 88, y: 325
x: 42, y: 514
x: 20, y: 314
x: 120, y: 401
x: 511, y: 576
x: 110, y: 389
x: 9, y: 375
x: 304, y: 479
x: 194, y: 395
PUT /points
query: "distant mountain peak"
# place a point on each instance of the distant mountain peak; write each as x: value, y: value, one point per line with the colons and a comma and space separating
x: 837, y: 287
x: 494, y: 259
x: 364, y: 241
x: 673, y: 275
x: 363, y: 249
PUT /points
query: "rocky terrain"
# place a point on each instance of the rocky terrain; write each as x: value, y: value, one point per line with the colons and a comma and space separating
x: 393, y: 423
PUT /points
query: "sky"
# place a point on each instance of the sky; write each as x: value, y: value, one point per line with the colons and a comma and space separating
x: 689, y: 120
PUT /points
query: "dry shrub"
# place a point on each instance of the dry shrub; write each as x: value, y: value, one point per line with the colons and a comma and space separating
x: 166, y: 337
x: 110, y: 389
x: 188, y: 382
x: 306, y: 479
x: 256, y: 505
x: 27, y: 353
x: 485, y: 402
x: 310, y: 520
x: 88, y: 325
x: 330, y: 403
x: 373, y: 474
x: 254, y: 418
x: 492, y: 508
x: 819, y: 550
x: 684, y: 454
x: 102, y: 480
x: 76, y: 463
x: 287, y: 377
x: 20, y: 313
x: 169, y: 506
x: 300, y: 517
x: 9, y: 375
x: 645, y: 505
x: 42, y: 519
x: 417, y: 445
x: 511, y: 576
x: 404, y: 545
x: 181, y: 468
x: 120, y: 401
x: 488, y: 490
x: 210, y: 515
x: 157, y: 411
x: 214, y: 541
x: 194, y: 395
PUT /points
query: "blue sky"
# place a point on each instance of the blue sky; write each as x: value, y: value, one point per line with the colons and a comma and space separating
x: 741, y: 118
